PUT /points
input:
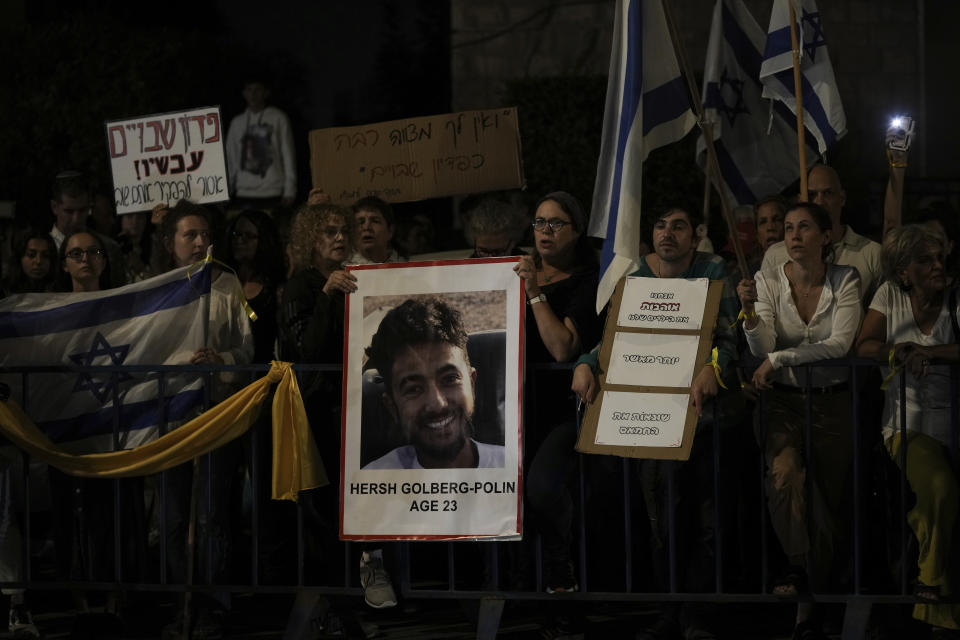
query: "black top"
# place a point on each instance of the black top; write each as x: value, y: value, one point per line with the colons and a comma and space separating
x: 311, y: 322
x: 264, y: 304
x: 575, y: 298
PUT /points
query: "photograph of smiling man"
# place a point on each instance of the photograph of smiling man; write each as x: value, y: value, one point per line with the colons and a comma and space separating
x: 420, y: 350
x: 432, y: 414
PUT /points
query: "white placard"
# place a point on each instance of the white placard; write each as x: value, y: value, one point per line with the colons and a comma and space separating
x: 642, y: 419
x: 385, y: 492
x: 657, y: 303
x: 161, y: 158
x: 652, y: 360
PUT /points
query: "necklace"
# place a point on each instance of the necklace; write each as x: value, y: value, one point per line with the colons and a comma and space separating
x: 804, y: 294
x: 549, y: 278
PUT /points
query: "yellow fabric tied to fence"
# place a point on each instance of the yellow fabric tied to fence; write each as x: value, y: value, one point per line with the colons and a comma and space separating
x: 296, y: 461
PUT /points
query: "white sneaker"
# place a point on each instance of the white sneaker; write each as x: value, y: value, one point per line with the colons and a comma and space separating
x: 21, y: 623
x: 377, y: 589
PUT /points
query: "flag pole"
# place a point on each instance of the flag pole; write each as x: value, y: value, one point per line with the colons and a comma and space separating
x: 714, y: 166
x: 707, y: 177
x: 798, y: 92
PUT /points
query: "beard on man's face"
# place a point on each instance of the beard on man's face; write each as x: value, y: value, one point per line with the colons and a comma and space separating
x: 440, y: 444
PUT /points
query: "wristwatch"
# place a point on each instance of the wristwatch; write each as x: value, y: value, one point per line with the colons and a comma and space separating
x: 534, y: 300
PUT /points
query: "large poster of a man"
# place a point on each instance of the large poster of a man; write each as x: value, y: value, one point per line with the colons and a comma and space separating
x: 431, y: 426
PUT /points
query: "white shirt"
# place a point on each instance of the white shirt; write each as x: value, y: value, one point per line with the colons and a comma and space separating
x: 783, y: 337
x: 261, y: 159
x: 489, y: 456
x: 853, y: 250
x: 57, y: 236
x: 229, y: 334
x: 928, y: 398
x: 358, y: 258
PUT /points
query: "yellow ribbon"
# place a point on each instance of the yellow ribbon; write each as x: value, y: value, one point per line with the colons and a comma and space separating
x: 894, y: 370
x: 714, y: 356
x: 241, y: 296
x: 742, y: 316
x: 296, y: 462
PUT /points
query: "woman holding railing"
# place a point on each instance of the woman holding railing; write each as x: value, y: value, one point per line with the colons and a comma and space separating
x: 912, y: 327
x: 560, y: 281
x: 801, y: 312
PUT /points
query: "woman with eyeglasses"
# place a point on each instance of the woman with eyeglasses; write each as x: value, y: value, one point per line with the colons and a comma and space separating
x: 253, y: 250
x: 560, y: 282
x: 84, y: 261
x: 311, y: 325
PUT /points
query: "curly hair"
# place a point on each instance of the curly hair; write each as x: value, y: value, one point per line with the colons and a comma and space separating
x: 307, y: 227
x: 903, y: 244
x: 416, y: 321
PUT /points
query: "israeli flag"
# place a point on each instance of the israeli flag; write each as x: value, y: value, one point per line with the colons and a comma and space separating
x: 647, y: 107
x: 756, y: 150
x: 160, y: 321
x: 822, y: 110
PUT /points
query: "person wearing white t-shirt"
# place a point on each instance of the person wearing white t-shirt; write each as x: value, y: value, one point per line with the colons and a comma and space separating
x: 849, y: 247
x: 912, y: 325
x: 261, y: 160
x: 801, y: 312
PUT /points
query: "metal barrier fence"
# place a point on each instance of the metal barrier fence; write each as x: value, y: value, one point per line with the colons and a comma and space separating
x: 422, y: 572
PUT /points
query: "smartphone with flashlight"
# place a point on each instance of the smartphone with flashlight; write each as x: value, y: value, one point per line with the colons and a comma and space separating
x: 900, y: 133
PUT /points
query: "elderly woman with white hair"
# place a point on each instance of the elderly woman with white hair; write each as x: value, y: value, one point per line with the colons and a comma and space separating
x: 912, y: 327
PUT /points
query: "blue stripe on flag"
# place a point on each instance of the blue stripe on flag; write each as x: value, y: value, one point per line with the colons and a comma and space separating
x: 665, y: 103
x: 811, y: 104
x: 629, y: 103
x: 732, y: 176
x: 743, y: 49
x: 133, y: 416
x: 778, y: 43
x: 90, y: 313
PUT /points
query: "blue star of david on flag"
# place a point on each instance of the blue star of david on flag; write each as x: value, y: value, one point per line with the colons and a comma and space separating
x: 812, y: 33
x: 731, y: 97
x: 100, y: 388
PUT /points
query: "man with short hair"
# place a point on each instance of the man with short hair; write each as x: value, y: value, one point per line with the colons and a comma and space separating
x: 675, y: 256
x: 261, y: 161
x: 70, y: 204
x: 420, y: 349
x: 850, y: 248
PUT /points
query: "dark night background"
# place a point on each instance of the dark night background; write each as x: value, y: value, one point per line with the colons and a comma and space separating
x: 66, y: 67
x: 69, y: 66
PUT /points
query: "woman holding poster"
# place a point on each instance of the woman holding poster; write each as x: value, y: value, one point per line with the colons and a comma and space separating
x: 560, y: 281
x: 800, y: 312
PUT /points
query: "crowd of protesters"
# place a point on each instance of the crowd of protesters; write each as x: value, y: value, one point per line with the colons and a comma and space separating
x: 816, y: 290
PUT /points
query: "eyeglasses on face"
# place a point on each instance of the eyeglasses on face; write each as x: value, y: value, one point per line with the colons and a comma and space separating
x: 93, y: 253
x: 555, y: 224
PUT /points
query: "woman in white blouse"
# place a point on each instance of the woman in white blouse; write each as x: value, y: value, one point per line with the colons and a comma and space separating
x: 913, y: 317
x: 804, y: 311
